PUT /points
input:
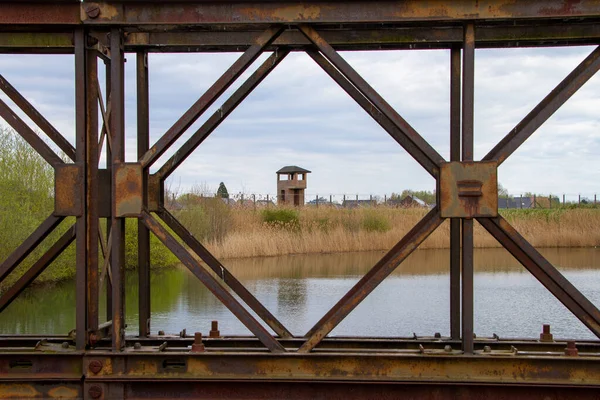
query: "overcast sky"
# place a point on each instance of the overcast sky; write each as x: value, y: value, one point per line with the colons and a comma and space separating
x: 299, y: 116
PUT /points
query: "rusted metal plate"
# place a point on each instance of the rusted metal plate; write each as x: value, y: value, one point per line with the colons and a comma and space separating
x: 469, y: 189
x: 128, y: 196
x: 155, y: 193
x: 440, y: 368
x: 68, y: 190
x: 30, y: 390
x: 365, y: 11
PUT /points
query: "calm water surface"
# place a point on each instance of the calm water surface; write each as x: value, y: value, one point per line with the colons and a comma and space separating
x: 298, y: 290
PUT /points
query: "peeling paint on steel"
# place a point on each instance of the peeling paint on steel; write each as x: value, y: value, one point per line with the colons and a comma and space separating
x: 68, y: 189
x: 128, y: 190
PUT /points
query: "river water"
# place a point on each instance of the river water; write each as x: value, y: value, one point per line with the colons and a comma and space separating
x: 299, y: 289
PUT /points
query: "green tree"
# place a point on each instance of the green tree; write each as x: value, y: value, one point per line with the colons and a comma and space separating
x: 222, y: 191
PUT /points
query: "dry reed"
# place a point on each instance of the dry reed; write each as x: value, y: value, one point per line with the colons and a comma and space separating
x: 331, y: 230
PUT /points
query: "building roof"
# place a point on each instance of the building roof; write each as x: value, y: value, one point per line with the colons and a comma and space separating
x: 291, y: 169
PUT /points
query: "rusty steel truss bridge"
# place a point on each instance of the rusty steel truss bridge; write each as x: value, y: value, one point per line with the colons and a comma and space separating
x: 100, y: 361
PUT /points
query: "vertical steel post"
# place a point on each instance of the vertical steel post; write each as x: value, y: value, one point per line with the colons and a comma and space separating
x: 143, y: 144
x: 455, y: 107
x: 91, y: 188
x: 467, y: 155
x: 117, y: 123
x: 80, y: 157
x: 564, y: 199
x: 108, y: 85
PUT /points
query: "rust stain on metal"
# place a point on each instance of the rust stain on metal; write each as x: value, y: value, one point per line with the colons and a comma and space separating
x: 100, y: 11
x: 68, y: 189
x: 154, y: 193
x: 18, y: 391
x: 128, y: 183
x: 64, y: 392
x: 469, y: 189
x: 299, y: 12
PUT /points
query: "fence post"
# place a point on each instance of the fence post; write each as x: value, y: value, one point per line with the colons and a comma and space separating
x: 564, y: 199
x: 267, y: 201
x: 254, y: 200
x: 534, y: 201
x: 344, y: 202
x: 385, y: 199
x: 579, y: 201
x: 594, y: 199
x: 317, y: 200
x: 330, y: 200
x: 550, y: 201
x: 356, y: 199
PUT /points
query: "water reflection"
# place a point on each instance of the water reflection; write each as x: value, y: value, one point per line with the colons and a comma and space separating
x: 300, y: 289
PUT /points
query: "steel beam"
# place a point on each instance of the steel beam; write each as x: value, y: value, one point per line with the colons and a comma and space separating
x: 357, y: 37
x: 29, y: 135
x: 81, y: 105
x: 37, y: 118
x: 332, y: 12
x: 28, y: 245
x: 117, y: 231
x: 468, y: 100
x: 426, y: 152
x: 372, y: 279
x: 210, y: 96
x: 546, y: 108
x: 212, y: 284
x: 547, y: 274
x: 37, y: 268
x: 143, y: 144
x: 455, y: 127
x: 222, y: 272
x: 386, y: 123
x: 223, y: 112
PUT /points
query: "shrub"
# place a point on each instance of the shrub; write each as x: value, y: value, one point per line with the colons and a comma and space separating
x: 207, y: 218
x: 281, y: 218
x: 373, y: 222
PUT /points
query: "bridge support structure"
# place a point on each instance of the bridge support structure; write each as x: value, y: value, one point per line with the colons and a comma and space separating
x: 102, y: 362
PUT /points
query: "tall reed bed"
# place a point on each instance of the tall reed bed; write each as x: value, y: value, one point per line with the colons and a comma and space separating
x: 276, y: 231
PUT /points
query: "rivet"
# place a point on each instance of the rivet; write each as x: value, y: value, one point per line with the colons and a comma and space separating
x: 95, y: 366
x: 92, y: 10
x: 95, y: 392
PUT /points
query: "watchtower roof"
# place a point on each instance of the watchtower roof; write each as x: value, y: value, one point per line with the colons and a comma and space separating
x: 292, y: 169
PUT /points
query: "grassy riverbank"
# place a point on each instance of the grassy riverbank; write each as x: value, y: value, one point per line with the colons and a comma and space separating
x: 240, y: 232
x: 26, y: 187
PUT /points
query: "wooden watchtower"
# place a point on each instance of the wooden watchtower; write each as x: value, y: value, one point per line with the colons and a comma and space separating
x: 291, y: 183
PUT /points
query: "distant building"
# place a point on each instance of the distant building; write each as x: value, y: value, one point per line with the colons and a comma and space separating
x: 291, y: 184
x: 412, y: 201
x: 358, y: 203
x: 515, y: 202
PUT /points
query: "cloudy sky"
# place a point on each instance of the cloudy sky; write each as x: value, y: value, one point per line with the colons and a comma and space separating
x: 299, y: 116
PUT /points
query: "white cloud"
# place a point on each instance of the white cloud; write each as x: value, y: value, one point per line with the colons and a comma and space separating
x: 298, y: 115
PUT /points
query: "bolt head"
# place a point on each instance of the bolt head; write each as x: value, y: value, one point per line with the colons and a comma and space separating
x: 92, y: 10
x: 95, y: 366
x: 95, y: 392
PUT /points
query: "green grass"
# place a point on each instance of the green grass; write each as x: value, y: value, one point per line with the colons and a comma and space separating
x: 26, y: 199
